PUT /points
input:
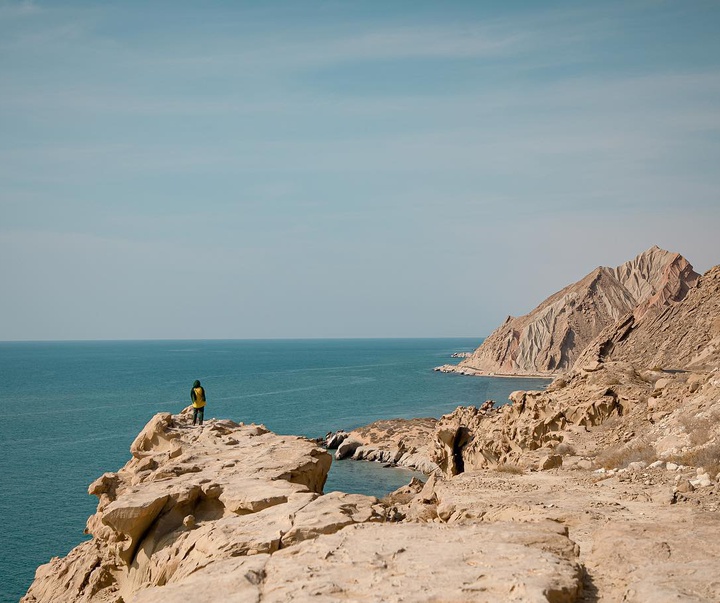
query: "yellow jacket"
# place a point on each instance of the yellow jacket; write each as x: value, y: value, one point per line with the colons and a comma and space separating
x: 198, y: 397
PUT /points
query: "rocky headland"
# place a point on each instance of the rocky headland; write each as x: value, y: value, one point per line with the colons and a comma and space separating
x: 604, y: 487
x: 550, y: 338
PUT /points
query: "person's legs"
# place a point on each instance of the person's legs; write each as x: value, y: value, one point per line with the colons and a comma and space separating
x: 195, y: 414
x: 201, y: 414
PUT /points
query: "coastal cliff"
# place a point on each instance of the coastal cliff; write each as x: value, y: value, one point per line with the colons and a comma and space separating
x: 551, y: 337
x: 599, y: 488
x: 234, y: 513
x: 192, y: 501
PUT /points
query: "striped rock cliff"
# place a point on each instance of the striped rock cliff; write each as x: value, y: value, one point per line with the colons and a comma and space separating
x: 655, y: 377
x: 549, y: 339
x: 684, y: 336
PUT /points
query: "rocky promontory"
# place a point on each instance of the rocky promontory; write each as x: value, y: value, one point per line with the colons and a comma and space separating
x: 550, y: 338
x: 229, y: 512
x: 192, y: 501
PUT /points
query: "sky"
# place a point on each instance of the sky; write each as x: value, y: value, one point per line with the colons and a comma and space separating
x: 213, y: 170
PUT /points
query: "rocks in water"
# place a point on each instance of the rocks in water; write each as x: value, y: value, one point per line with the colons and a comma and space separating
x: 402, y: 442
x: 333, y: 440
x: 347, y: 448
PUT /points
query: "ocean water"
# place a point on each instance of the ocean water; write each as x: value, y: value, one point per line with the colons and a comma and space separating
x: 71, y: 410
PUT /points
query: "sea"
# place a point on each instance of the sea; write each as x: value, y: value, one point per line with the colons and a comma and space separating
x: 72, y: 409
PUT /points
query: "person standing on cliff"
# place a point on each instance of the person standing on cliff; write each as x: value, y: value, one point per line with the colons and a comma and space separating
x: 197, y: 395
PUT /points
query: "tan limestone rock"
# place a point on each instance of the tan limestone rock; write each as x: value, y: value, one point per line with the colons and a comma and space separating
x: 234, y: 580
x: 241, y: 485
x: 392, y: 563
x: 330, y: 513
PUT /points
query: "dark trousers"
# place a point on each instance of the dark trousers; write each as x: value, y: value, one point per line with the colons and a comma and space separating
x: 198, y: 413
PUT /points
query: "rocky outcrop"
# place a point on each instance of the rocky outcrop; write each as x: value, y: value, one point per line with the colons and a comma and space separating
x: 228, y: 512
x: 396, y: 563
x: 608, y: 414
x: 528, y: 430
x: 400, y: 442
x: 683, y: 336
x: 549, y: 339
x: 193, y: 499
x: 652, y: 376
x: 597, y: 489
x: 634, y: 533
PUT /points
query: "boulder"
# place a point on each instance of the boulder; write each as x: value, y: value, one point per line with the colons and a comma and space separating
x: 335, y: 439
x: 330, y: 513
x: 347, y: 448
x: 551, y: 461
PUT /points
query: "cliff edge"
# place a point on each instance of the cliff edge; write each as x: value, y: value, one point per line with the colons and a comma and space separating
x: 235, y: 513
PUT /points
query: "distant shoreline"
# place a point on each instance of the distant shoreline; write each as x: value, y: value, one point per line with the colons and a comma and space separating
x: 450, y: 370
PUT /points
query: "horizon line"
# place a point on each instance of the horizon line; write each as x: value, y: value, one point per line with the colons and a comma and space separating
x: 238, y: 339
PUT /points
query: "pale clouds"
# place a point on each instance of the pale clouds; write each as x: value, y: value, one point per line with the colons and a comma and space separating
x: 14, y: 10
x: 323, y: 175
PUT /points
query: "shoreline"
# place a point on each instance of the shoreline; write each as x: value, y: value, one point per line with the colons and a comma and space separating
x: 248, y: 505
x: 451, y: 369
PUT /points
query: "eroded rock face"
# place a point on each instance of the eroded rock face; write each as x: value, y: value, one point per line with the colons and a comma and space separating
x: 549, y: 339
x: 401, y: 442
x: 635, y: 540
x: 194, y: 496
x: 607, y: 481
x: 230, y: 512
x: 682, y: 336
x: 474, y: 438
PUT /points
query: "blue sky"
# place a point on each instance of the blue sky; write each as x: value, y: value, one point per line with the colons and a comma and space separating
x: 343, y: 169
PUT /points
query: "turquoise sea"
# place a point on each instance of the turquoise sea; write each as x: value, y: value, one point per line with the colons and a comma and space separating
x: 71, y: 410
